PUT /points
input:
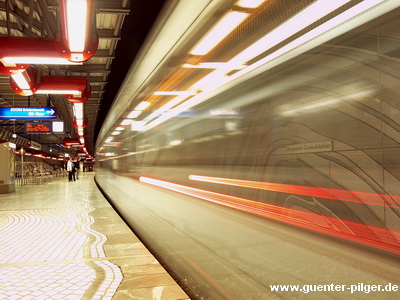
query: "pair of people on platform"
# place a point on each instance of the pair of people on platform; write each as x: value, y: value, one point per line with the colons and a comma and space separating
x: 73, y: 168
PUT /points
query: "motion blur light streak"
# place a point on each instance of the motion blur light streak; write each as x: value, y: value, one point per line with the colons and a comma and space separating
x: 358, y: 233
x: 210, y: 279
x: 351, y: 196
x: 313, y: 35
x: 217, y: 79
x: 306, y: 17
x: 221, y: 30
x: 250, y: 3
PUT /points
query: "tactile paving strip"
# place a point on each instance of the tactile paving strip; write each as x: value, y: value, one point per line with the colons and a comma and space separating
x: 49, y: 254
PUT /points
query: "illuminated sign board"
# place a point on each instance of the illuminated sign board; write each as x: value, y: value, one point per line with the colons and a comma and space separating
x: 58, y: 126
x: 38, y: 127
x: 44, y: 127
x: 33, y: 113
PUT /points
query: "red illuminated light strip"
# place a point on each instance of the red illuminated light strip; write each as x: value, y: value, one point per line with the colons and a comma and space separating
x: 350, y: 196
x: 366, y: 235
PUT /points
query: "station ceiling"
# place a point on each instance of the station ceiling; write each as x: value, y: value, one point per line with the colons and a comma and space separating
x: 37, y: 18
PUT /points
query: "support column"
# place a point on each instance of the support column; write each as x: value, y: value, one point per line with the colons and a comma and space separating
x: 7, y: 168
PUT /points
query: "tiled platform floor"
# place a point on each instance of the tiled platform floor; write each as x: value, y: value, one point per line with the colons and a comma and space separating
x: 62, y: 240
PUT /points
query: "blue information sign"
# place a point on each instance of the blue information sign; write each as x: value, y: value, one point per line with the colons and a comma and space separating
x: 29, y: 112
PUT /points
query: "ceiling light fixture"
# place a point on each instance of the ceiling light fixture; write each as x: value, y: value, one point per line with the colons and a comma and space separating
x: 58, y: 92
x: 78, y: 109
x: 38, y: 60
x: 76, y: 39
x: 21, y: 81
x: 27, y: 50
x: 65, y: 85
x: 76, y: 24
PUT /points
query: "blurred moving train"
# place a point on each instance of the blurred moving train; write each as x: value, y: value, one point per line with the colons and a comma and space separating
x: 257, y: 142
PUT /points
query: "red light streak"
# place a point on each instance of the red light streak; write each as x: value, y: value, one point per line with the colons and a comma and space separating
x: 219, y: 287
x: 366, y: 235
x: 350, y: 196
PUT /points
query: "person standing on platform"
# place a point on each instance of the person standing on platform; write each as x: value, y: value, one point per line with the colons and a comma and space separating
x: 77, y: 167
x: 70, y: 169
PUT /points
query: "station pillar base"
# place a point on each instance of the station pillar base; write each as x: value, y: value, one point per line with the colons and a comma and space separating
x: 7, y: 188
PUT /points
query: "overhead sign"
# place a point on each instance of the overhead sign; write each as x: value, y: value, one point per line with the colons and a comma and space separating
x: 58, y: 126
x: 34, y: 145
x: 33, y: 113
x: 55, y: 127
x: 37, y: 127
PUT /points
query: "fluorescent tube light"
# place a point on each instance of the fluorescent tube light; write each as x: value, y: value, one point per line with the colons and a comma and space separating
x: 76, y: 24
x: 39, y: 60
x: 221, y: 30
x: 82, y: 140
x: 58, y: 92
x: 116, y: 133
x: 79, y: 122
x: 21, y: 81
x: 78, y: 108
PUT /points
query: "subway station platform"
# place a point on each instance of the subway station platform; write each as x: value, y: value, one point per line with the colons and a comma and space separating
x: 62, y: 240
